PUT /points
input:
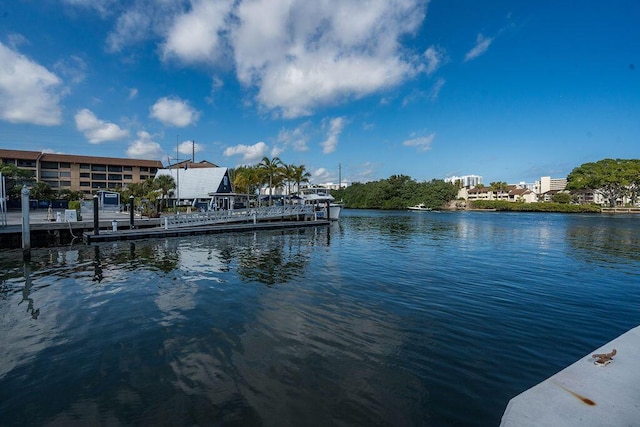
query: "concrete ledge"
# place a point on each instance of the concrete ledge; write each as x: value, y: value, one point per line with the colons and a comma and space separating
x: 585, y: 394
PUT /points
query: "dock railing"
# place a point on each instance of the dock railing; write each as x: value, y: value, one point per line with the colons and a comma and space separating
x: 236, y: 215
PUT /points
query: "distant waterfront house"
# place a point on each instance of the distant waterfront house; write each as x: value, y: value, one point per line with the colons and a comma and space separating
x: 512, y: 193
x: 522, y: 195
x: 202, y: 187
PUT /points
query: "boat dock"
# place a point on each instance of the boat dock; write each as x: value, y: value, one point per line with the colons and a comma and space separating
x: 117, y: 226
x: 160, y: 232
x: 586, y: 393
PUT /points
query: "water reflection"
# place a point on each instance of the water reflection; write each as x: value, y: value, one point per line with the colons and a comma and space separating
x: 597, y: 241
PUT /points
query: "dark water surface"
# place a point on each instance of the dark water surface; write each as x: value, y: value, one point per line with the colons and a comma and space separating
x: 384, y: 318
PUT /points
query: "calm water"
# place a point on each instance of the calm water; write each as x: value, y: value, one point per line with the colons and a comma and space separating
x: 384, y: 318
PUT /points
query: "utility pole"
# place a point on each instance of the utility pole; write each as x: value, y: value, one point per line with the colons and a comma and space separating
x: 177, y: 175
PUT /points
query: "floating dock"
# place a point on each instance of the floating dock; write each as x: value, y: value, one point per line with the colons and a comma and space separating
x: 585, y: 393
x: 160, y: 232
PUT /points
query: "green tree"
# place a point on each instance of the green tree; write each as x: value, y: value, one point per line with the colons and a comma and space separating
x: 247, y: 179
x: 164, y: 184
x: 499, y: 187
x: 563, y: 198
x: 42, y: 191
x: 300, y: 175
x: 15, y: 178
x: 614, y: 179
x: 273, y: 170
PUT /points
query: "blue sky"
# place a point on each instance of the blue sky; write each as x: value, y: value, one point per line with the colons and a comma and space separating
x: 510, y: 90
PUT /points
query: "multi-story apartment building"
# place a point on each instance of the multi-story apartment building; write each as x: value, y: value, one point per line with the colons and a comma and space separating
x: 547, y: 183
x: 86, y: 174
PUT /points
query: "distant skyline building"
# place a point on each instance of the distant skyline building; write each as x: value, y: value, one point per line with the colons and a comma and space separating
x: 465, y: 180
x: 547, y: 183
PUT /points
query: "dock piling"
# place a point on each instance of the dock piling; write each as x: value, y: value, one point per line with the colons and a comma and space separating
x: 131, y: 225
x: 26, y: 227
x: 96, y: 224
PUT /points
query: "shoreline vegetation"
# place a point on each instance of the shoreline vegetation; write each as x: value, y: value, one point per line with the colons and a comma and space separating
x: 504, y: 206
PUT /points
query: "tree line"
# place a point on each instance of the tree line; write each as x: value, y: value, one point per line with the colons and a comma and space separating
x: 396, y: 192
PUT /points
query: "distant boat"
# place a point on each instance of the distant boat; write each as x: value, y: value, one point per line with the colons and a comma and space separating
x: 419, y: 207
x: 320, y: 197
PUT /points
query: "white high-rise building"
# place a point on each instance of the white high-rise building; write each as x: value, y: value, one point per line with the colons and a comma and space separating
x: 465, y: 180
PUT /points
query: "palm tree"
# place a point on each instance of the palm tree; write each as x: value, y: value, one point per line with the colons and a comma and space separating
x: 272, y: 168
x: 164, y: 183
x: 300, y: 175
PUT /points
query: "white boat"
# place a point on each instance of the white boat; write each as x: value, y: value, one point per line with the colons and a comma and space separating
x: 320, y: 198
x: 419, y: 207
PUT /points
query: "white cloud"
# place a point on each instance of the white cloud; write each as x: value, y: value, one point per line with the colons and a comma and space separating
x: 295, y: 138
x: 482, y: 44
x: 321, y: 175
x: 74, y: 68
x: 145, y: 148
x: 422, y: 143
x: 250, y: 153
x: 101, y: 6
x: 190, y: 147
x: 436, y: 57
x: 302, y: 55
x: 29, y: 93
x: 193, y: 36
x: 297, y: 55
x: 335, y: 129
x: 96, y: 130
x: 435, y: 89
x: 175, y: 112
x: 133, y: 93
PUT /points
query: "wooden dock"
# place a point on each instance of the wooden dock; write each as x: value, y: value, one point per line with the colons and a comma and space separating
x: 161, y: 232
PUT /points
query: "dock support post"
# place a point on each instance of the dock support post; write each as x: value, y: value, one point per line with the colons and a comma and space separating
x: 96, y: 224
x: 131, y: 225
x: 26, y: 226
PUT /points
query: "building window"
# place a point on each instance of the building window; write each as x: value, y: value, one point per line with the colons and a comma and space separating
x: 114, y: 185
x: 153, y: 170
x: 115, y: 177
x: 52, y: 184
x: 85, y: 184
x: 115, y: 168
x: 48, y: 165
x: 48, y: 174
x: 128, y: 177
x: 144, y: 169
x: 98, y: 185
x: 65, y: 165
x: 26, y: 163
x: 84, y: 166
x: 99, y: 176
x: 65, y: 183
x: 65, y: 174
x: 143, y: 177
x: 127, y: 169
x: 99, y: 168
x: 85, y: 175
